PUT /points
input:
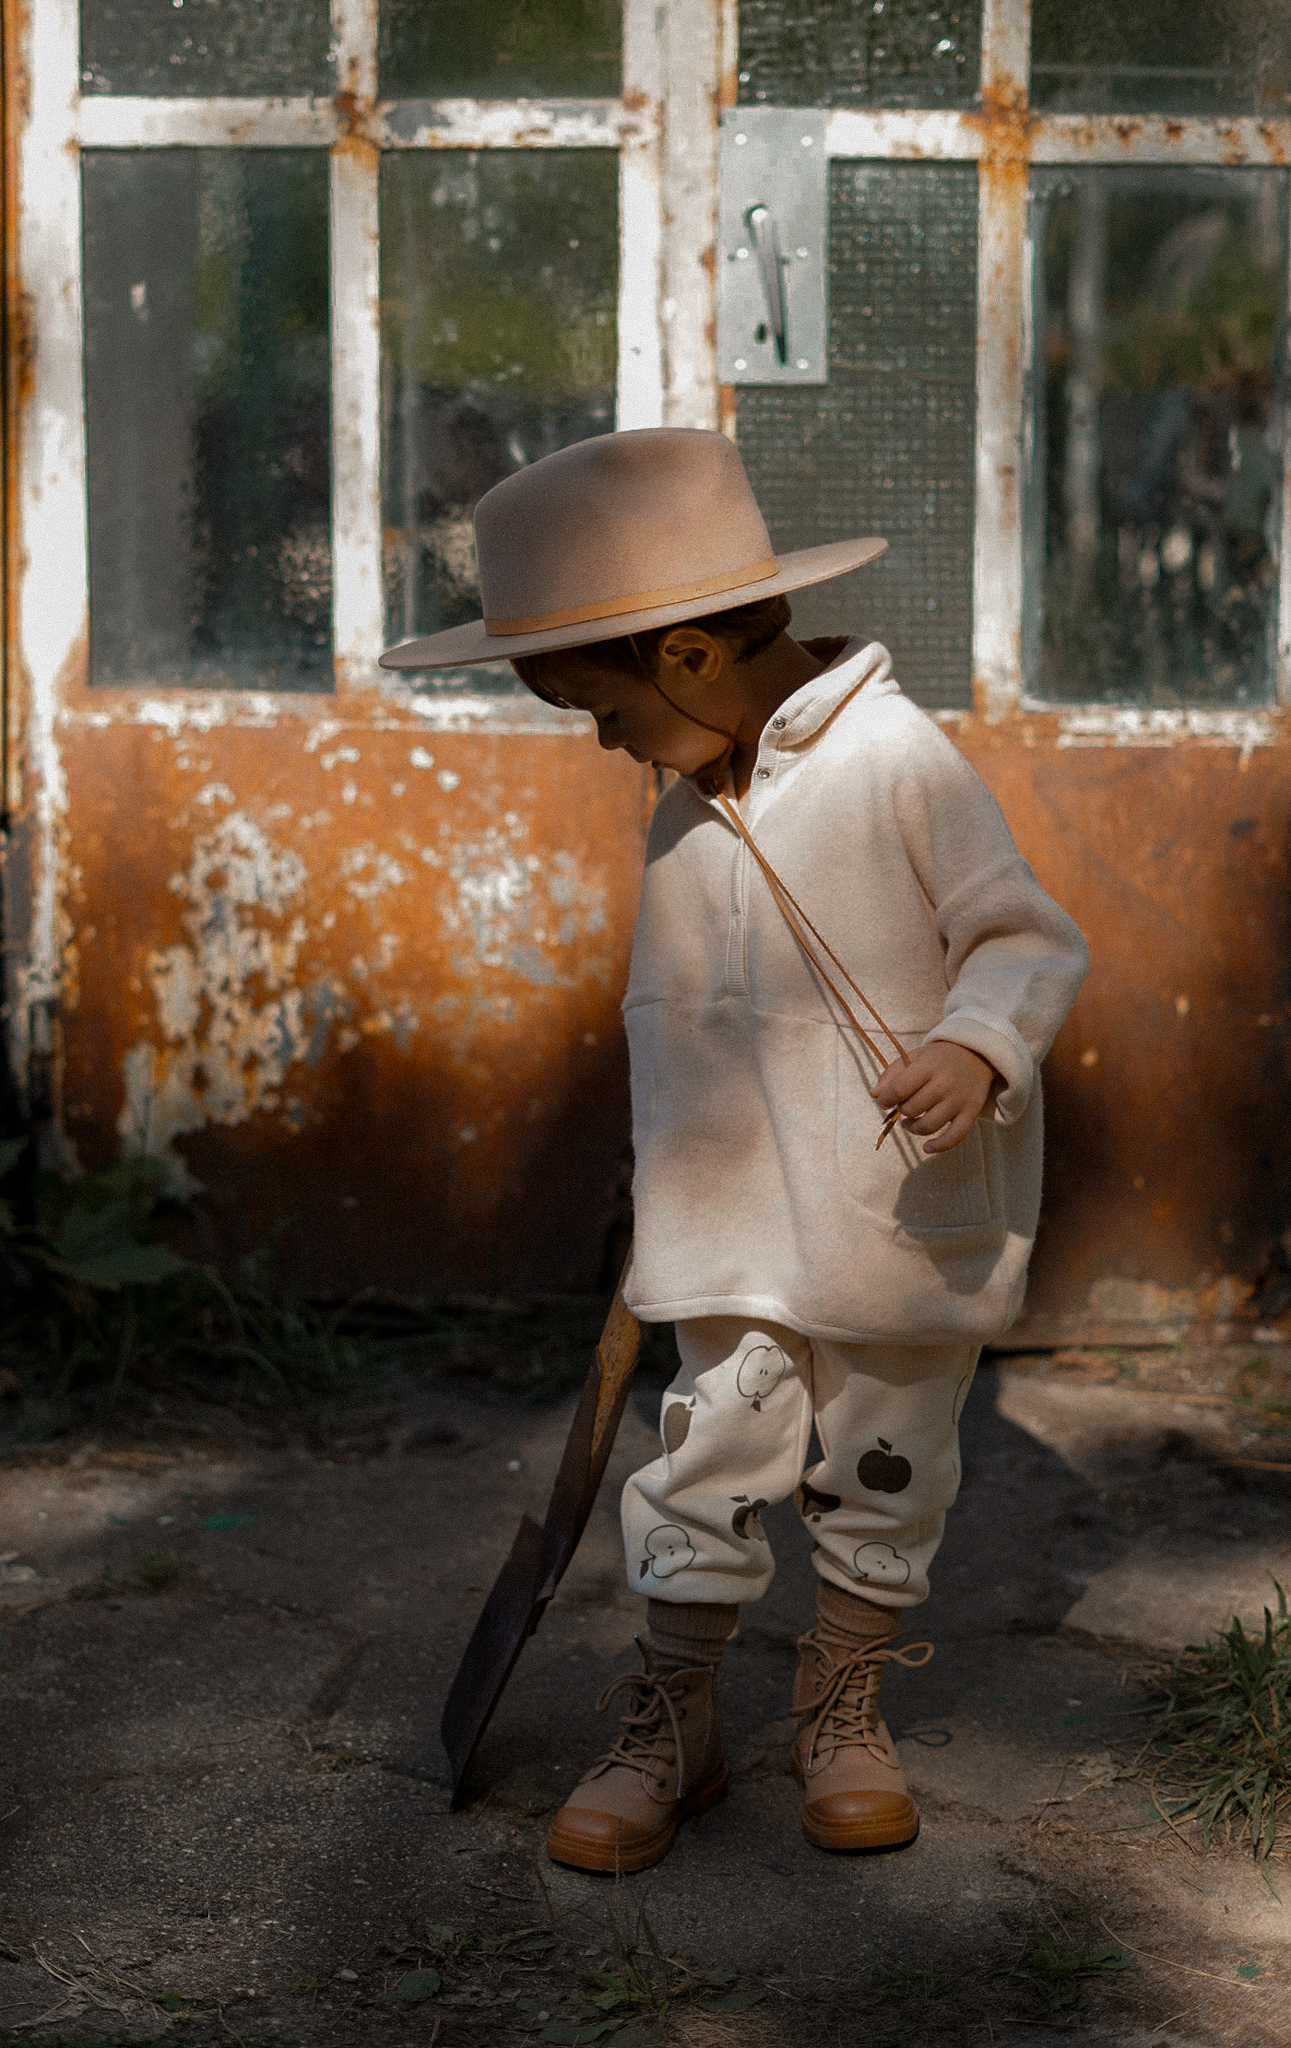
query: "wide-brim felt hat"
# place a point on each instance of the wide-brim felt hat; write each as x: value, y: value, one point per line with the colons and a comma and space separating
x: 617, y: 535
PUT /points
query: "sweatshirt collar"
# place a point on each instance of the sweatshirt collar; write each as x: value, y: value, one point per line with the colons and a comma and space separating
x: 862, y: 664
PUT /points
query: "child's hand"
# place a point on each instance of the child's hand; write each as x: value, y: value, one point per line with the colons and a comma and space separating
x: 942, y: 1092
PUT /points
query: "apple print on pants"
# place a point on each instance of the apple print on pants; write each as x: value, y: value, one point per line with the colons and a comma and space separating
x: 880, y: 1565
x: 677, y: 1418
x: 761, y: 1370
x: 744, y: 1522
x: 671, y: 1550
x: 813, y: 1504
x: 883, y: 1473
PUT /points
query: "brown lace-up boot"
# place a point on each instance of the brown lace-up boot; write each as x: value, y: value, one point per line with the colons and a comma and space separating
x: 843, y: 1757
x: 666, y: 1763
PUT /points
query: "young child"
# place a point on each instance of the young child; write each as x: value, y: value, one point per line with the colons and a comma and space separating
x: 844, y: 979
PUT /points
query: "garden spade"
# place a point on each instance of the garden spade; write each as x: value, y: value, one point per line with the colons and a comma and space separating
x: 539, y: 1555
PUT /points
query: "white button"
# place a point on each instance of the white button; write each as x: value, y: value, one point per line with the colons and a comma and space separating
x: 779, y: 724
x: 740, y: 363
x: 763, y: 774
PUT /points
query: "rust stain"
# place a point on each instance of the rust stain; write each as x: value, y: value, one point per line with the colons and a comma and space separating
x: 371, y: 962
x: 17, y: 379
x: 1005, y: 123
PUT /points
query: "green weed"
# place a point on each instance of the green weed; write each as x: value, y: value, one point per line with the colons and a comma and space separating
x: 633, y: 1993
x: 1060, y: 1975
x: 97, y: 1304
x: 1222, y: 1749
x: 158, y: 1569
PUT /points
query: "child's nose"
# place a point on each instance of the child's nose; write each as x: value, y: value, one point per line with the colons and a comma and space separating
x: 607, y: 737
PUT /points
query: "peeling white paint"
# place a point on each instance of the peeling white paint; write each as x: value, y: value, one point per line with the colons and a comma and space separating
x: 419, y: 758
x: 230, y: 1014
x: 1130, y: 726
x: 368, y: 873
x: 519, y: 912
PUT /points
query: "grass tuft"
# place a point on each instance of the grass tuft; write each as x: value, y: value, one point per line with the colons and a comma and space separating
x: 1221, y: 1752
x: 158, y: 1569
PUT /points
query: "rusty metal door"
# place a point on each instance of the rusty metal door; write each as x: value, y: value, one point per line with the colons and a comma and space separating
x: 348, y: 952
x: 1058, y: 251
x: 297, y: 284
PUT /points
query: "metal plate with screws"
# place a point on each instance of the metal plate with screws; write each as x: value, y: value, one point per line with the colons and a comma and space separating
x: 772, y: 282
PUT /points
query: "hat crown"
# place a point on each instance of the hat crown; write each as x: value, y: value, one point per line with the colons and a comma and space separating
x: 618, y: 524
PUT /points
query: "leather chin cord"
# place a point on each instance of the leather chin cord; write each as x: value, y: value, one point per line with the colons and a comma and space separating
x: 708, y: 779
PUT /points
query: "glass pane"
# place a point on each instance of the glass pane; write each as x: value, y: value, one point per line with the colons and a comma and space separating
x: 1101, y: 57
x: 498, y: 285
x: 501, y: 49
x: 206, y: 294
x: 178, y: 48
x: 887, y: 445
x: 860, y: 53
x: 1153, y: 500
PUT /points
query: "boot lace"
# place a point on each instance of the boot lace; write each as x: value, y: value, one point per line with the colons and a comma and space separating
x: 846, y: 1709
x: 646, y: 1728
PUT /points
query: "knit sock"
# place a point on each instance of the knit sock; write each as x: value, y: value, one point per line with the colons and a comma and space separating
x: 684, y: 1636
x: 848, y: 1618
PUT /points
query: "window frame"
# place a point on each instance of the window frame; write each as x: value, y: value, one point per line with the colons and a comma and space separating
x: 678, y: 71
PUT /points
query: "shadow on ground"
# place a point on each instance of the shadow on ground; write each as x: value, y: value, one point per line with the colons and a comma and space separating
x: 224, y: 1813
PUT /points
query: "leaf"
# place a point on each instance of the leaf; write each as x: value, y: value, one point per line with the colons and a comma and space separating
x: 735, y: 2001
x: 99, y: 1248
x: 1250, y: 1970
x: 639, y: 2034
x: 418, y: 1984
x: 217, y: 1522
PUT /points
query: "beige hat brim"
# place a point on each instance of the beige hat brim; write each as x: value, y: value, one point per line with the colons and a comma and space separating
x: 460, y: 646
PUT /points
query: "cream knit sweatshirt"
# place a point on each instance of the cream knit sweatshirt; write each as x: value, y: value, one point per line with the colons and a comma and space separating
x: 758, y: 1189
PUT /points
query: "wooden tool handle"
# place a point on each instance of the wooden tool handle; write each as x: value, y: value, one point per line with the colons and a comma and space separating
x: 616, y: 1355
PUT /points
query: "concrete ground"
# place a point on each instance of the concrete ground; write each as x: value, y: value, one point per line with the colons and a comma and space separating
x: 224, y: 1811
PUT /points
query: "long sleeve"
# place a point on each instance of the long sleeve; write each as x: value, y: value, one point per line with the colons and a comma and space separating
x: 1014, y: 960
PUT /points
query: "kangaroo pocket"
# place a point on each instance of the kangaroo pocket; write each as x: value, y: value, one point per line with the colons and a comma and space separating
x: 911, y: 1191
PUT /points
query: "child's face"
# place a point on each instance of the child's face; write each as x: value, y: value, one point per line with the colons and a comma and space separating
x: 629, y: 712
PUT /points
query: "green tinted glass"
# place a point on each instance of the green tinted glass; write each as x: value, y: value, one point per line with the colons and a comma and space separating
x: 179, y: 48
x: 1153, y: 500
x: 887, y: 445
x: 1226, y: 57
x: 498, y: 287
x: 864, y: 53
x: 501, y: 49
x: 206, y: 297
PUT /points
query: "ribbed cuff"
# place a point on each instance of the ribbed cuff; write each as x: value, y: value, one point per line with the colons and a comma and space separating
x: 695, y: 1633
x: 852, y: 1617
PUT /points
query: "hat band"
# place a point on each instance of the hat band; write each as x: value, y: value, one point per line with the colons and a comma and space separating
x: 640, y: 601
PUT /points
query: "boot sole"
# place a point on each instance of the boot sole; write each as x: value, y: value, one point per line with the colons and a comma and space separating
x: 582, y: 1855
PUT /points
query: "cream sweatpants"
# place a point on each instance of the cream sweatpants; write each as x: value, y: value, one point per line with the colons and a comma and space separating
x: 736, y: 1424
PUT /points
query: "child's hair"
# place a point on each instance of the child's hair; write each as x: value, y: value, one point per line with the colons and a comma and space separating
x: 747, y: 629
